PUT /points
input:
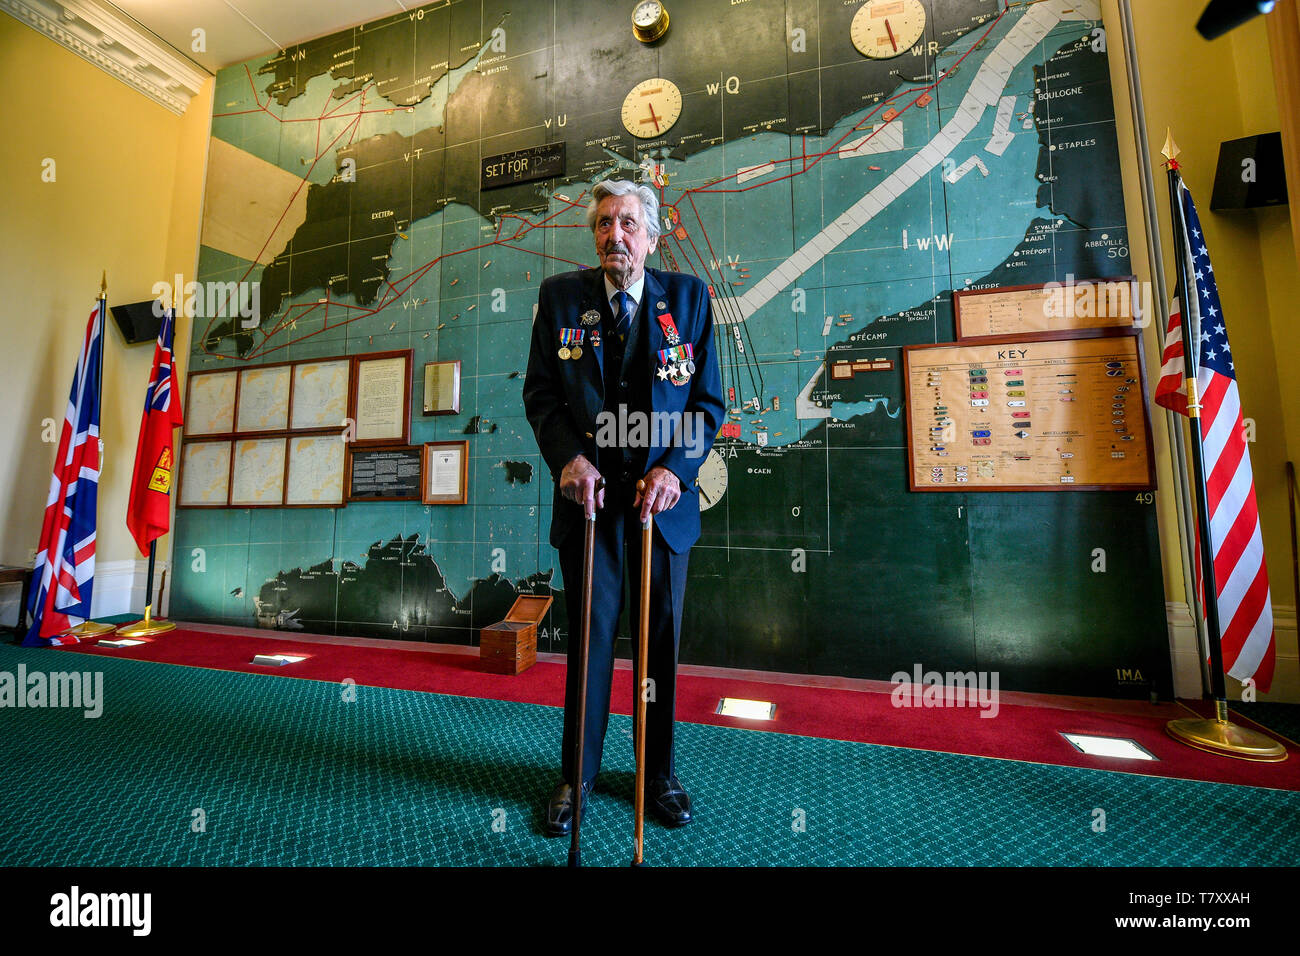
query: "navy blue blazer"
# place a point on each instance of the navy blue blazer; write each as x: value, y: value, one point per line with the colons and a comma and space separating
x: 562, y: 398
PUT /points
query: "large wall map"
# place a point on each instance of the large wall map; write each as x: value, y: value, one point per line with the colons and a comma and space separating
x: 833, y: 203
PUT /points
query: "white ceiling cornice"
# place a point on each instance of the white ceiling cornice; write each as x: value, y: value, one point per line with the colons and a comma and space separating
x: 116, y: 47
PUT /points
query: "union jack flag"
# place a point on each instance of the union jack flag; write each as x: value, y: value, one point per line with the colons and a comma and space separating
x: 64, y: 572
x: 1240, y: 575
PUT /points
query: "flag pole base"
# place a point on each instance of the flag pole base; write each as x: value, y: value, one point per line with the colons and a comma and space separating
x: 92, y: 629
x: 145, y: 628
x: 1219, y: 735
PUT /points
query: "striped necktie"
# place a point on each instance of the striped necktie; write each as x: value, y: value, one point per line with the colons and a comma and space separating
x: 623, y: 322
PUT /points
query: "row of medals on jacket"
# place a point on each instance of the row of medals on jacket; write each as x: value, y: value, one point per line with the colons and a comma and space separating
x: 590, y: 319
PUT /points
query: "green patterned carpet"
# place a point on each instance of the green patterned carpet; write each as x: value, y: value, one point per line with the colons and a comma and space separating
x: 287, y: 772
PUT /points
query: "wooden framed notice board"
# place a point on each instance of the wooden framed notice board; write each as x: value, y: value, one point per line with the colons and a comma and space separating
x: 1057, y: 411
x: 1075, y: 305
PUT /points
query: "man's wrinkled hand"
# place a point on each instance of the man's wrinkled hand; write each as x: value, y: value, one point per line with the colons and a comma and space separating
x: 662, y: 490
x: 582, y: 484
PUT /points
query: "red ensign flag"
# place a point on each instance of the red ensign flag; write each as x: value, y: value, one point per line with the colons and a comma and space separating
x: 148, y: 515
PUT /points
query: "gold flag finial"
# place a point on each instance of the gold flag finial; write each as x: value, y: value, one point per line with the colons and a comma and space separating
x: 1170, y: 149
x: 103, y: 285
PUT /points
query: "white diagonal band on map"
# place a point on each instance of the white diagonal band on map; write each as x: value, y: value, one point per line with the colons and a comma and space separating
x: 985, y: 90
x: 1002, y: 135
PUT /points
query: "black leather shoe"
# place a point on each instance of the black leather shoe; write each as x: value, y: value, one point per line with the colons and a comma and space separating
x: 669, y: 802
x: 559, y: 809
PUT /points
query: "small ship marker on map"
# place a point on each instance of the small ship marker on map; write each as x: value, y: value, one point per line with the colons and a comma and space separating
x: 472, y: 307
x: 455, y: 317
x: 455, y: 280
x: 441, y: 326
x: 488, y: 263
x: 393, y: 326
x: 425, y: 335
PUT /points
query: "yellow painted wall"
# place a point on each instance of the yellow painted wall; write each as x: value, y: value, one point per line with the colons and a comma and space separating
x: 1209, y: 92
x: 127, y: 198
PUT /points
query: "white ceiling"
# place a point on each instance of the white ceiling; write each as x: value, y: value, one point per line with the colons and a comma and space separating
x: 238, y: 30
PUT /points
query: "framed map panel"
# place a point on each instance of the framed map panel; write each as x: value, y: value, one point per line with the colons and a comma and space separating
x: 210, y: 403
x: 320, y: 393
x: 263, y: 399
x: 315, y: 471
x: 204, y: 474
x: 257, y: 473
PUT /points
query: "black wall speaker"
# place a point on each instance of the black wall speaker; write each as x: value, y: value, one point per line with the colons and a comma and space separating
x: 1250, y: 173
x: 137, y: 321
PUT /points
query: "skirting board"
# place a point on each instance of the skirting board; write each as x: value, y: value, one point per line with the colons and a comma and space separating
x: 1185, y: 656
x: 119, y: 589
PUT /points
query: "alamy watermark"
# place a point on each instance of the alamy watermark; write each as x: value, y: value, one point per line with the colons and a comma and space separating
x: 633, y: 429
x: 949, y: 689
x: 1099, y: 299
x: 84, y: 690
x: 212, y: 300
x: 81, y: 909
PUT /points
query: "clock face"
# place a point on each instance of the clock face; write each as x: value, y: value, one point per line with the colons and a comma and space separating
x: 711, y: 482
x: 647, y: 13
x: 651, y: 108
x: 883, y: 29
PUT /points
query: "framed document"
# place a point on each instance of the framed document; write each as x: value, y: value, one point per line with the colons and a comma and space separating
x: 1076, y: 305
x: 385, y: 474
x: 210, y: 403
x: 205, y: 474
x: 315, y: 471
x: 320, y: 393
x: 263, y: 399
x: 442, y: 388
x: 446, y: 473
x: 257, y: 473
x: 381, y: 388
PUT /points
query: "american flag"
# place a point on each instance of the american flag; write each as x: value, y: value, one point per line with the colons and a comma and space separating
x: 1240, y: 575
x: 65, y: 562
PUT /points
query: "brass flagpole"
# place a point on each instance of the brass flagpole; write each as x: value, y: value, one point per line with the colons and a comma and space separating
x: 89, y: 628
x: 1217, y: 734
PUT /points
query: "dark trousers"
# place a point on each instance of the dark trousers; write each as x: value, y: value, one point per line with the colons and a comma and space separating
x: 617, y: 557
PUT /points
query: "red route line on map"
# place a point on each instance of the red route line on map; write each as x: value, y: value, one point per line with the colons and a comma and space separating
x: 525, y: 227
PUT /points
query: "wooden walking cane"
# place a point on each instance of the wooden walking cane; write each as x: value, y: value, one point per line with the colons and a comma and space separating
x: 579, y: 769
x: 639, y: 701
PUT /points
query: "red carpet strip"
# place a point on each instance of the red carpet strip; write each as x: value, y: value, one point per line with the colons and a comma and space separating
x: 1027, y: 727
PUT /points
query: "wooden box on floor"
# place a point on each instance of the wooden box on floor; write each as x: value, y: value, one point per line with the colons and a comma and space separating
x: 511, y: 646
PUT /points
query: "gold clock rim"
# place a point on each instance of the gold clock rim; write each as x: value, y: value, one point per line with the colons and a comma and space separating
x: 655, y: 30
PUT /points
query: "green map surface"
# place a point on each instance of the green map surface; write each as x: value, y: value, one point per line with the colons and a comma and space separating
x: 832, y: 202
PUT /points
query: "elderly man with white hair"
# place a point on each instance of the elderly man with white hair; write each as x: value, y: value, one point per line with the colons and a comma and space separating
x: 623, y: 386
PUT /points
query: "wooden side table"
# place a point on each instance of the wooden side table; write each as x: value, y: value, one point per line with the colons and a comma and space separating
x: 11, y: 575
